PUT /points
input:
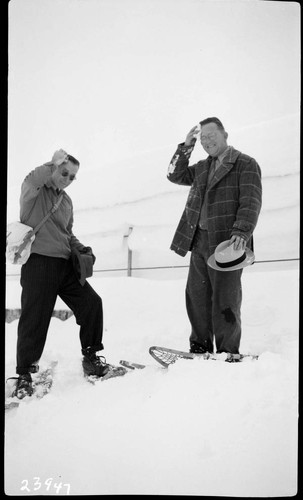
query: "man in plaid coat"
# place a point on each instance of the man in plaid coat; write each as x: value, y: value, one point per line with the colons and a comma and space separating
x: 224, y: 203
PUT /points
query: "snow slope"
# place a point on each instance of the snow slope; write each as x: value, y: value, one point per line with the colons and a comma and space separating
x: 197, y: 428
x: 136, y: 193
x: 200, y: 427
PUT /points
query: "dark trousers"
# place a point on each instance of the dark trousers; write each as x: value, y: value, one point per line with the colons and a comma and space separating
x: 42, y: 280
x: 213, y: 301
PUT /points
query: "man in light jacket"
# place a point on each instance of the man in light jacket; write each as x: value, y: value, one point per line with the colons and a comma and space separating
x: 224, y: 203
x: 49, y: 272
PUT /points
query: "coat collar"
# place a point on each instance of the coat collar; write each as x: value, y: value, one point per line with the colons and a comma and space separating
x: 231, y: 156
x: 227, y: 164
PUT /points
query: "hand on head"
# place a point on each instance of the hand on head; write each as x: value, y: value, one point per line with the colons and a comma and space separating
x: 60, y: 157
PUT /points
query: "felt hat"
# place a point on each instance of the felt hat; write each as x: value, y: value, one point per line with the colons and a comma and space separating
x: 83, y: 265
x: 226, y: 258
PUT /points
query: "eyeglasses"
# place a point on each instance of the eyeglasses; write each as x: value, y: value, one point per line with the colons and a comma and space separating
x: 71, y: 177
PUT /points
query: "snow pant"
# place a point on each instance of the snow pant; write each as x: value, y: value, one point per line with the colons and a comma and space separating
x: 213, y: 301
x: 42, y: 280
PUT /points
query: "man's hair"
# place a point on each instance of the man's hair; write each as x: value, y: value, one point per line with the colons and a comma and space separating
x: 215, y: 120
x: 73, y: 160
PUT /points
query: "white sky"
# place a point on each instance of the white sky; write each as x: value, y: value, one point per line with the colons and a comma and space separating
x: 109, y: 79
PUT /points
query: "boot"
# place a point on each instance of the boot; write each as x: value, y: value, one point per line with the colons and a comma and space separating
x: 24, y: 386
x: 95, y: 365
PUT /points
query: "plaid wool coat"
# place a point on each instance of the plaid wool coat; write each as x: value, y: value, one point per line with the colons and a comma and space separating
x: 233, y: 202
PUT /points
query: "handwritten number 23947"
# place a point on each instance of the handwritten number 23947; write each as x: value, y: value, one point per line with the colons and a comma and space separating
x: 36, y: 484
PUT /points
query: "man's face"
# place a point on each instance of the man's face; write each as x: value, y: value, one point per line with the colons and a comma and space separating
x: 213, y: 140
x: 64, y: 175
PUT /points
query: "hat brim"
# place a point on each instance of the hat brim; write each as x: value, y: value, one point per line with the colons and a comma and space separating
x: 250, y: 258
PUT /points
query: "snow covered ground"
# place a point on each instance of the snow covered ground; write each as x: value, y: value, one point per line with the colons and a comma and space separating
x: 196, y: 428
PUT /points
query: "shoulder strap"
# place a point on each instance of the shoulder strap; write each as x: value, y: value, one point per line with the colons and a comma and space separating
x: 52, y: 210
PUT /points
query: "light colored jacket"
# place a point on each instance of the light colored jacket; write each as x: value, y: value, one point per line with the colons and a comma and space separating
x: 38, y: 194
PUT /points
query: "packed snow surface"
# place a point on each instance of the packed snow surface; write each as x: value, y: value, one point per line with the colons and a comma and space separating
x: 197, y: 428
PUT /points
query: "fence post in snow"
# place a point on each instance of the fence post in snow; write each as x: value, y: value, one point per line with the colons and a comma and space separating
x: 129, y: 254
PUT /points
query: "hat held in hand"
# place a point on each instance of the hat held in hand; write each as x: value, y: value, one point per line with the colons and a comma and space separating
x: 226, y: 258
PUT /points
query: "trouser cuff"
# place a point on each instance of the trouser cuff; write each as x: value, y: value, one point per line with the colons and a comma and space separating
x: 91, y: 349
x: 21, y: 370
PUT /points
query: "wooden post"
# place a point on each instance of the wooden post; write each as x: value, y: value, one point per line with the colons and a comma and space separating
x: 129, y: 254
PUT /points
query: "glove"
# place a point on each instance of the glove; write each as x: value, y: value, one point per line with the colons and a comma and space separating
x: 88, y: 251
x: 59, y: 157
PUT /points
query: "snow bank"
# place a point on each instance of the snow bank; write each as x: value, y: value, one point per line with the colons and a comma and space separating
x: 198, y: 428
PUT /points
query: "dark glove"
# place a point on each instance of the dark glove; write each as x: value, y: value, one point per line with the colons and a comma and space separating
x: 88, y: 251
